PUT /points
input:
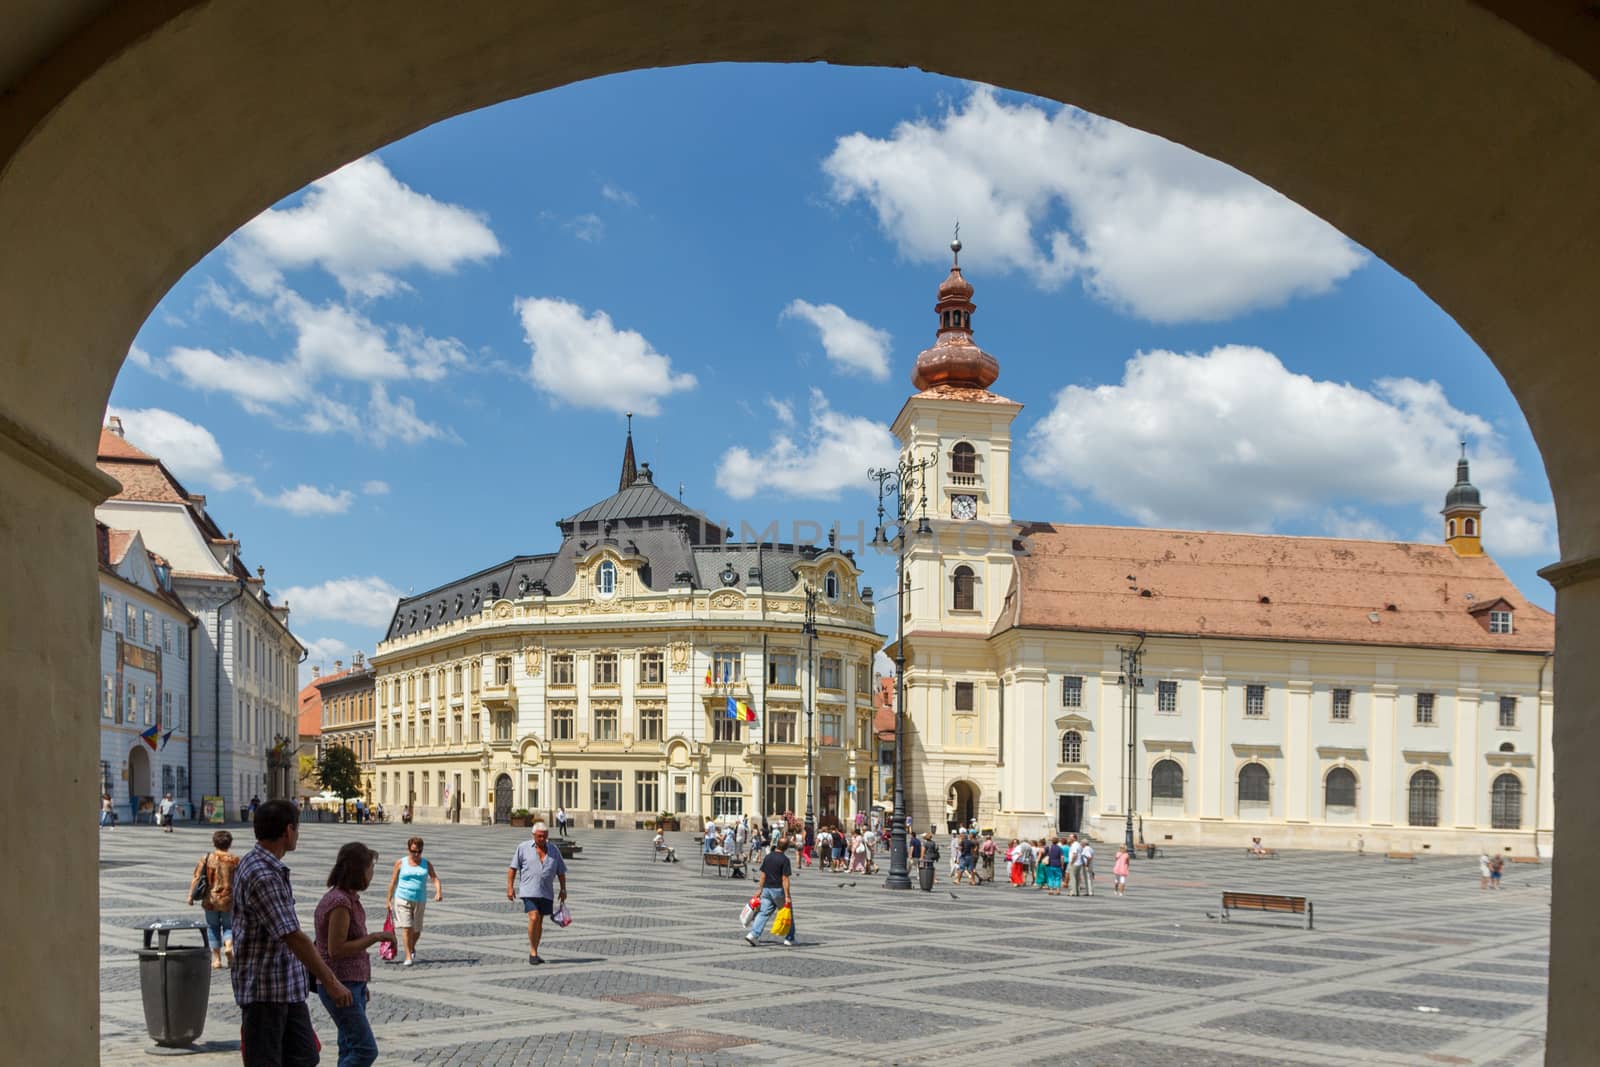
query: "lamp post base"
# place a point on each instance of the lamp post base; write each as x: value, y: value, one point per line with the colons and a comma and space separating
x: 897, y: 881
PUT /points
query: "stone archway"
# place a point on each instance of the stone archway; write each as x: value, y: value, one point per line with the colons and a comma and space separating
x: 1453, y: 138
x: 962, y: 801
x: 140, y: 783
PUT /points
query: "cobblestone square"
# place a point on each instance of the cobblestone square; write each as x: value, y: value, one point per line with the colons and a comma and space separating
x: 1408, y: 964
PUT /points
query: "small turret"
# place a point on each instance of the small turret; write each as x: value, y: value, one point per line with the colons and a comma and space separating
x: 1463, y: 512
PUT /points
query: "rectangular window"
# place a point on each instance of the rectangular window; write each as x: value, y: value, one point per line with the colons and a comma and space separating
x: 456, y: 733
x: 455, y: 681
x: 830, y: 730
x: 864, y: 678
x: 647, y: 791
x: 1508, y: 711
x: 781, y: 790
x: 1341, y: 705
x: 561, y: 668
x: 724, y: 728
x: 651, y: 723
x: 1072, y: 691
x: 561, y: 724
x: 727, y: 668
x: 965, y: 698
x: 477, y: 788
x: 1499, y: 622
x: 131, y: 622
x: 1424, y: 709
x: 108, y: 611
x: 149, y: 629
x: 1167, y: 697
x: 783, y: 668
x: 532, y: 792
x: 426, y: 778
x: 149, y: 706
x: 108, y: 702
x: 831, y: 675
x: 1255, y: 701
x: 183, y: 643
x: 427, y: 686
x: 166, y: 635
x: 605, y: 724
x: 605, y: 668
x: 864, y: 733
x: 567, y: 789
x: 784, y: 727
x: 477, y: 726
x: 166, y: 711
x: 652, y: 671
x: 502, y: 670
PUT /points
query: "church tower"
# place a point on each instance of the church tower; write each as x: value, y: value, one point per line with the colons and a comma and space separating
x: 1463, y: 513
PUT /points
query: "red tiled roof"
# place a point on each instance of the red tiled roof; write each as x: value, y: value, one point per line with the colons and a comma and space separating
x: 1267, y: 587
x: 113, y: 446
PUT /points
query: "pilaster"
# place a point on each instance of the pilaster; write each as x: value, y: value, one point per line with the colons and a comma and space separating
x: 1384, y: 737
x: 1300, y: 780
x: 1212, y: 757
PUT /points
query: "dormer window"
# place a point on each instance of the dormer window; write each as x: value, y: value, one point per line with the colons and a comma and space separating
x: 1499, y: 622
x: 830, y: 586
x: 606, y: 579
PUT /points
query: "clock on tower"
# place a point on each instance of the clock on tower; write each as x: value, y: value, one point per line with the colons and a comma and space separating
x: 964, y: 506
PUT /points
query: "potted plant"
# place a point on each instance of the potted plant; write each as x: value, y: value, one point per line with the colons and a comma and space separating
x: 667, y: 821
x: 521, y: 817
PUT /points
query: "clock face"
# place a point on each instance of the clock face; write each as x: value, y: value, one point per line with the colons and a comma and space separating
x: 964, y: 506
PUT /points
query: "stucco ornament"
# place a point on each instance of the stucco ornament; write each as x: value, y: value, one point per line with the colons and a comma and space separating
x: 680, y: 655
x: 533, y: 659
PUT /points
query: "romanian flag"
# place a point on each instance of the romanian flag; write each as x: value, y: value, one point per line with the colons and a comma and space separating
x: 740, y: 711
x: 708, y: 677
x: 149, y: 736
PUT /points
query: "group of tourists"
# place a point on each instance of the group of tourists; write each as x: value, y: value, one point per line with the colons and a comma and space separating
x: 1052, y: 864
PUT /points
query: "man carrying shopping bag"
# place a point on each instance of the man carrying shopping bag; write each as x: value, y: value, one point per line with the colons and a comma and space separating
x: 773, y: 889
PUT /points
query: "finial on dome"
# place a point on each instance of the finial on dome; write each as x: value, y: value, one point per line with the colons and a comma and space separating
x: 955, y: 247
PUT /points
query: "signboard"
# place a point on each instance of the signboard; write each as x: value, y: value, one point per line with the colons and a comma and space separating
x: 212, y: 810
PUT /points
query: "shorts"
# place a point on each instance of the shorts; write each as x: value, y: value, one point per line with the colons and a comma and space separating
x: 969, y: 863
x: 1122, y: 879
x: 543, y: 905
x: 408, y: 914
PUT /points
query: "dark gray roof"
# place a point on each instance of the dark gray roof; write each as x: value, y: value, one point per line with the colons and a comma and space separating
x: 641, y: 500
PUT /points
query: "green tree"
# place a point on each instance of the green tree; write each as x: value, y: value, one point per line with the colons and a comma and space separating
x: 340, y: 773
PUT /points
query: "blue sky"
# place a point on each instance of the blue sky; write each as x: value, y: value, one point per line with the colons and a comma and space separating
x: 410, y: 370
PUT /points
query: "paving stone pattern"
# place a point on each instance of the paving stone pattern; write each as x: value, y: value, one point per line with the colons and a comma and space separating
x: 655, y: 958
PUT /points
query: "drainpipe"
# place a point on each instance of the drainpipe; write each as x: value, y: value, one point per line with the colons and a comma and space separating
x: 216, y: 697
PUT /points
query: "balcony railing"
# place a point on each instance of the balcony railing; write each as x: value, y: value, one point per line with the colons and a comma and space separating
x: 964, y: 480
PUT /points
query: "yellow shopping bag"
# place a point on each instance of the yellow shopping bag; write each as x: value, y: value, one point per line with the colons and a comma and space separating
x: 782, y: 922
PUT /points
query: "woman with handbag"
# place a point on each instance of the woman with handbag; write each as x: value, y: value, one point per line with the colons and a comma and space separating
x: 342, y: 940
x: 211, y: 886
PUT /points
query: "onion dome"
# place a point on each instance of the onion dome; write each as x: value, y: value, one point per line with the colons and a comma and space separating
x: 954, y: 360
x: 1463, y: 494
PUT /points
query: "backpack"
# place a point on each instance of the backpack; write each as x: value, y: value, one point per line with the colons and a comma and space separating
x: 933, y: 852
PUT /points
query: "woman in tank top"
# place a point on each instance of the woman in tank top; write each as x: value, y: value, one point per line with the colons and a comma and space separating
x: 408, y: 894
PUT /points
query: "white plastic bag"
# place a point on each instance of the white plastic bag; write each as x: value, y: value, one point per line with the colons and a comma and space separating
x: 747, y: 915
x: 562, y: 916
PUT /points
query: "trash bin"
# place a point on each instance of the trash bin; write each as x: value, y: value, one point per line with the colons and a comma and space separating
x: 175, y: 983
x: 925, y: 877
x: 1149, y: 852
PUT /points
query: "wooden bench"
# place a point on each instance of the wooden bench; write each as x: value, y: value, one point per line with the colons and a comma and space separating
x: 1264, y: 854
x: 1266, y: 902
x: 734, y: 865
x: 1409, y: 856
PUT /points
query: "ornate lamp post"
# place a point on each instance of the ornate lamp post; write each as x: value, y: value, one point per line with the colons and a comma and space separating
x: 908, y: 484
x: 809, y: 628
x: 1132, y: 680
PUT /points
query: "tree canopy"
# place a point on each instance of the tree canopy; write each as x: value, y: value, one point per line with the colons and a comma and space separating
x: 339, y: 772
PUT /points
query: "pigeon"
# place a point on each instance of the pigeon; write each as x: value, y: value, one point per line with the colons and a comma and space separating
x: 852, y: 885
x: 1209, y: 915
x: 841, y: 884
x: 954, y: 897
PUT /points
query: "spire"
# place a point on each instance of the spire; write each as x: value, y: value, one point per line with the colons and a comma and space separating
x: 1463, y: 512
x: 630, y: 472
x: 954, y: 360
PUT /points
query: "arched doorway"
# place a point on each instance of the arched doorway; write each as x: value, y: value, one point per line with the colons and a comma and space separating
x: 139, y: 783
x: 1401, y: 167
x: 502, y: 798
x: 961, y: 803
x: 727, y: 797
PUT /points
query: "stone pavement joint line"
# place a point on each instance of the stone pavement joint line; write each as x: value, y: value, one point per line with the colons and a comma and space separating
x: 1409, y: 964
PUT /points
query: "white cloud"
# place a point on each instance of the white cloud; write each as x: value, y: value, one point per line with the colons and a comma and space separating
x: 618, y: 195
x: 321, y: 652
x: 833, y: 454
x: 363, y: 601
x: 363, y: 226
x: 585, y: 361
x: 1232, y: 440
x: 1149, y: 226
x: 138, y: 357
x: 851, y: 344
x: 188, y: 449
x: 308, y: 500
x: 376, y: 487
x: 397, y: 419
x: 257, y: 384
x: 589, y: 227
x: 782, y: 410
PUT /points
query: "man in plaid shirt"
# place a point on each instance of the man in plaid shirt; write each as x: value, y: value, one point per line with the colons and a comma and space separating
x: 270, y: 952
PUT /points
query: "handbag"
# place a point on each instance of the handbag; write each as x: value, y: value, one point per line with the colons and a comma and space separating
x: 202, y: 884
x: 562, y: 916
x: 782, y: 922
x: 388, y: 949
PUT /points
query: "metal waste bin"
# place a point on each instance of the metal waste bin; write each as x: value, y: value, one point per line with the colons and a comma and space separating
x: 175, y: 983
x: 925, y: 877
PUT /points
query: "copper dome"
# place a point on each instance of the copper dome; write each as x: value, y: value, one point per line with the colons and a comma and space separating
x: 954, y: 359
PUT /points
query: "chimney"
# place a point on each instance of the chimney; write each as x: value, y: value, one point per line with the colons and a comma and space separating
x: 338, y: 665
x: 115, y: 424
x: 357, y: 661
x: 316, y: 671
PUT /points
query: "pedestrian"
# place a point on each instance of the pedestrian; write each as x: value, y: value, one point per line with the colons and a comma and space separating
x: 1053, y: 859
x: 1484, y: 870
x: 108, y: 812
x: 219, y: 866
x: 773, y: 889
x: 1497, y: 866
x: 561, y: 821
x: 408, y: 894
x: 255, y: 805
x: 164, y: 812
x: 272, y: 954
x: 1075, y: 863
x: 1085, y: 875
x: 824, y: 849
x: 1014, y: 858
x: 343, y: 941
x: 986, y: 853
x: 1119, y: 870
x: 1041, y: 872
x: 361, y: 811
x: 968, y: 867
x: 810, y: 839
x: 840, y: 846
x: 535, y: 869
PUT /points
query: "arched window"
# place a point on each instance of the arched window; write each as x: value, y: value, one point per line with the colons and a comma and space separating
x: 965, y: 588
x: 1339, y: 789
x: 1505, y: 803
x: 1423, y: 807
x: 1072, y: 747
x: 1472, y: 527
x: 1450, y: 527
x: 1507, y: 746
x: 1166, y: 781
x: 963, y: 459
x: 606, y: 579
x: 830, y: 586
x: 727, y: 797
x: 1254, y: 787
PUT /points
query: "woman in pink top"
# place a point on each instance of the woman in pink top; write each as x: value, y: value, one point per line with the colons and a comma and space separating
x: 342, y: 939
x: 1119, y: 869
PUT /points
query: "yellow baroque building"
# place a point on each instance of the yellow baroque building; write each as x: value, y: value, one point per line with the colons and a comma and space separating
x: 598, y: 678
x: 1314, y: 692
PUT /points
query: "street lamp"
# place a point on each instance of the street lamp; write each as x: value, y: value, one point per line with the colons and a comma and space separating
x: 809, y: 628
x: 908, y: 484
x: 1132, y: 680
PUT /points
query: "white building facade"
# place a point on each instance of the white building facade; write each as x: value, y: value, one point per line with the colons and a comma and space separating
x: 1314, y: 692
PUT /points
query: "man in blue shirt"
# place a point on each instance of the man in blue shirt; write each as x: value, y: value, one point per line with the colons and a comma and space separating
x: 534, y: 870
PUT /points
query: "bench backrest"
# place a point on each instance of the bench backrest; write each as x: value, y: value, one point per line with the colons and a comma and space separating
x: 1264, y: 901
x: 716, y: 859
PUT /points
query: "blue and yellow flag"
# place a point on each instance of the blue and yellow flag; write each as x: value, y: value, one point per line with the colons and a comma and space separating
x: 149, y: 736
